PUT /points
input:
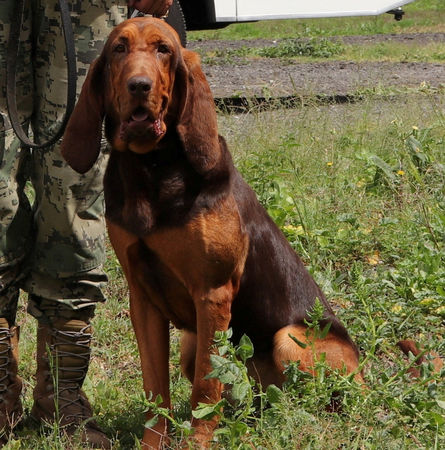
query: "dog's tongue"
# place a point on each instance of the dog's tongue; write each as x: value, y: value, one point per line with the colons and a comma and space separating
x: 139, y: 116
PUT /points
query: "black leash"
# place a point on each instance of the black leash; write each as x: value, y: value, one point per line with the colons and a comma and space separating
x: 11, y: 71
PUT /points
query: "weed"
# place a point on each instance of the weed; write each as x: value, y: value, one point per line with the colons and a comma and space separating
x: 314, y: 47
x: 373, y: 238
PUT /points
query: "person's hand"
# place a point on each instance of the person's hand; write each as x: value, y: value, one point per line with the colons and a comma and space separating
x: 154, y: 7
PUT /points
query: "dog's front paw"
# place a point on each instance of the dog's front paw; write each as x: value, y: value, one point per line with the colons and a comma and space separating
x: 202, y: 435
x: 155, y: 437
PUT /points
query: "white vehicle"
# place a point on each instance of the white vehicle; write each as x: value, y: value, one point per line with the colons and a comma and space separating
x: 204, y: 14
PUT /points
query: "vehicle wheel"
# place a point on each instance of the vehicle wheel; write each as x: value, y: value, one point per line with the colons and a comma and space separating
x: 176, y: 19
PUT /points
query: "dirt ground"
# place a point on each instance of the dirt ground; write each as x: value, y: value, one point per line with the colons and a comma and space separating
x: 279, y: 77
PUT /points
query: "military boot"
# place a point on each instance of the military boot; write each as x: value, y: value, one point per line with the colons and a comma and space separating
x: 63, y: 356
x: 10, y: 383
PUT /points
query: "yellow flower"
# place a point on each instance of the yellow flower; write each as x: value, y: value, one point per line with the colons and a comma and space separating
x: 401, y: 173
x: 426, y: 301
x: 329, y: 164
x: 293, y: 229
x: 415, y: 128
x: 373, y: 259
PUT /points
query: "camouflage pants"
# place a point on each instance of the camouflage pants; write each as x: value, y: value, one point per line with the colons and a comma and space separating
x: 51, y: 218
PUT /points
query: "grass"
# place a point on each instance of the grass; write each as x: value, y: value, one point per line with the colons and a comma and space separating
x: 316, y: 49
x: 321, y: 39
x: 395, y: 52
x: 358, y: 189
x: 421, y: 16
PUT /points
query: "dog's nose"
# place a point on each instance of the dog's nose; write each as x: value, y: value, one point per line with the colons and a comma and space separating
x: 139, y: 86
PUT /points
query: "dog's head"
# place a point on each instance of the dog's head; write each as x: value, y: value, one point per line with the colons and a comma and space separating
x: 145, y: 85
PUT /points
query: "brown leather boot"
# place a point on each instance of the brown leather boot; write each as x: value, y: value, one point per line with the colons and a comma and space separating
x: 63, y: 356
x: 10, y: 383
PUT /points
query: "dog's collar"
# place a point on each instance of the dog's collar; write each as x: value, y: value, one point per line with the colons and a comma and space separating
x: 137, y: 13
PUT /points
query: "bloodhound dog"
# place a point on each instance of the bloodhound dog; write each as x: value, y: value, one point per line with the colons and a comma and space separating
x: 196, y: 246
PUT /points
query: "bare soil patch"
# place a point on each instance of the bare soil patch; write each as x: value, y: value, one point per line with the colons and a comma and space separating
x: 274, y: 77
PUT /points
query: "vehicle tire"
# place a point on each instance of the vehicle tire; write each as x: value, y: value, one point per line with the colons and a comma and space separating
x: 176, y: 19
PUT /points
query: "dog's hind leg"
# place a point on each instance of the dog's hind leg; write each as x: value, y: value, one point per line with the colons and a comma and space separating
x: 340, y: 353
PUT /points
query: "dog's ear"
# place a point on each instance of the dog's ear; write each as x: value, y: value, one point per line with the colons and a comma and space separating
x: 197, y: 123
x: 81, y: 140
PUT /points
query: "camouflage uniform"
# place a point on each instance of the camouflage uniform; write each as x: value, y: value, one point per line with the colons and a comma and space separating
x: 51, y: 245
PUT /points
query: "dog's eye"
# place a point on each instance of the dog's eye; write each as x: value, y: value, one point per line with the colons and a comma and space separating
x: 163, y: 48
x: 120, y: 48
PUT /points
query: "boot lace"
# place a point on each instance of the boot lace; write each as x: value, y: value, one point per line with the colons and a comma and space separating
x: 69, y: 386
x: 5, y: 347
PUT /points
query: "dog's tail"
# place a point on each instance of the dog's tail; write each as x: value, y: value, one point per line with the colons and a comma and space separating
x: 408, y: 346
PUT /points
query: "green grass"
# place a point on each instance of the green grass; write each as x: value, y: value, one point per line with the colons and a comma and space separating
x: 321, y: 49
x: 395, y: 52
x: 421, y: 16
x: 312, y: 39
x: 358, y: 189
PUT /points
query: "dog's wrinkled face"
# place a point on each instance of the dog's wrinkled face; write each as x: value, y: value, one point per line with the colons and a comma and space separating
x: 146, y: 86
x: 141, y: 62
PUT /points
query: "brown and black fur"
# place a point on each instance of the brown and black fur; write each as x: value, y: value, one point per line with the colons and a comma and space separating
x: 196, y: 247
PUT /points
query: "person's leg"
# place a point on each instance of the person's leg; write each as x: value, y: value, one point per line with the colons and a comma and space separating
x: 66, y: 276
x: 68, y: 209
x: 16, y: 232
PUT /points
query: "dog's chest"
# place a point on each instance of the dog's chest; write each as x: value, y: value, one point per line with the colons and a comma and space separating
x: 142, y: 193
x: 190, y: 261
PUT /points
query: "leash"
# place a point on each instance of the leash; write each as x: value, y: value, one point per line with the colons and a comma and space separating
x: 11, y: 72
